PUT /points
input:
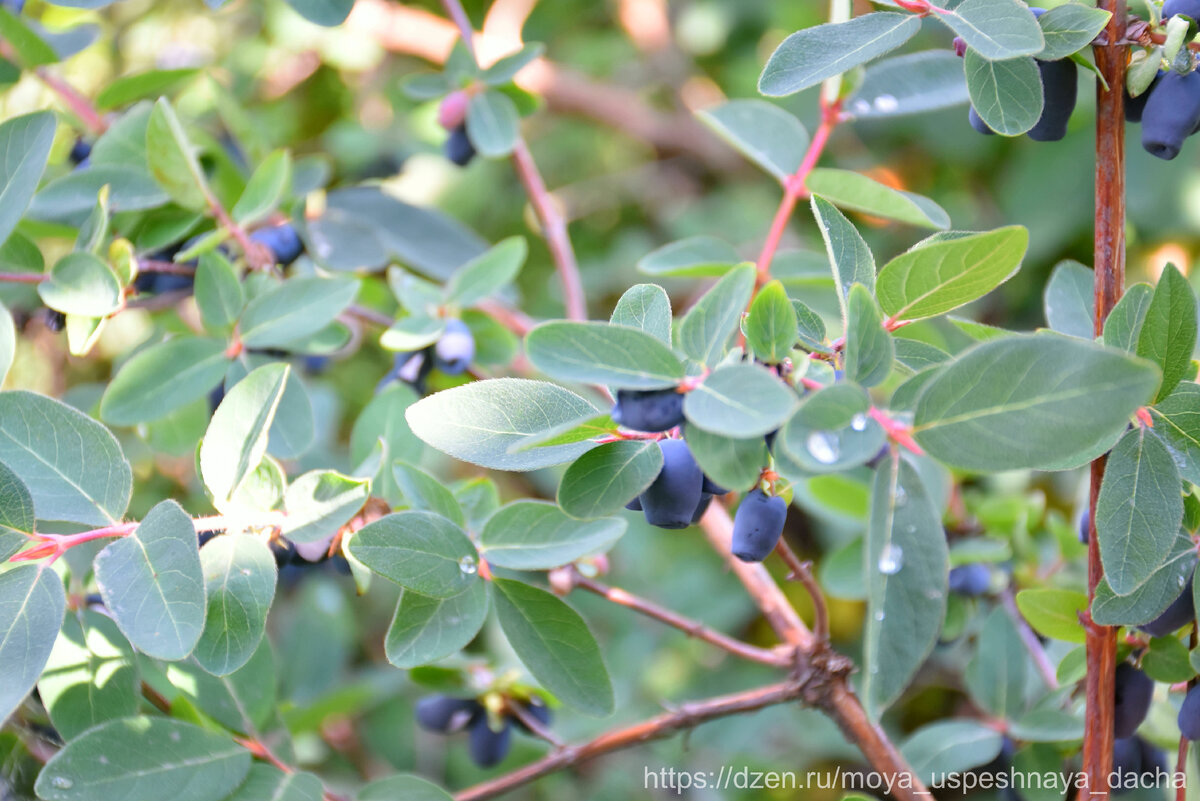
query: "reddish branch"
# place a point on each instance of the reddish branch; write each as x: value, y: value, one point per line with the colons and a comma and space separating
x: 1109, y: 284
x: 692, y: 628
x: 802, y: 572
x: 80, y: 106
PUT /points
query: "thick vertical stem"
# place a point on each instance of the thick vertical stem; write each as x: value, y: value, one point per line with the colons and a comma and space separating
x: 1109, y: 282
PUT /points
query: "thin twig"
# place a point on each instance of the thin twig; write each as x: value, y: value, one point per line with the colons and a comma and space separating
x: 1040, y: 659
x: 686, y: 717
x: 80, y: 106
x: 22, y: 278
x: 802, y: 571
x: 522, y: 713
x: 693, y: 628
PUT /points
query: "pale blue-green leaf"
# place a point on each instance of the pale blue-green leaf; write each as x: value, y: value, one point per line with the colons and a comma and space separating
x: 1068, y: 300
x: 696, y: 256
x: 1006, y: 94
x: 32, y: 605
x: 740, y: 401
x: 705, y: 330
x: 858, y: 192
x: 603, y: 480
x: 536, y: 535
x: 996, y: 29
x: 913, y: 83
x: 421, y: 551
x: 849, y: 257
x: 163, y: 379
x: 425, y: 629
x: 602, y: 353
x: 236, y: 439
x: 25, y: 144
x: 645, y: 306
x: 762, y: 132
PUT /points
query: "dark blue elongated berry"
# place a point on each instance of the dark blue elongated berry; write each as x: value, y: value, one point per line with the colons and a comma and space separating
x: 80, y: 151
x: 977, y: 122
x: 1060, y: 87
x: 284, y: 552
x: 215, y: 397
x: 769, y: 438
x: 758, y: 525
x: 635, y: 505
x: 1189, y: 714
x: 1172, y: 113
x: 1134, y: 691
x: 1154, y: 764
x: 971, y: 580
x: 283, y: 241
x: 1126, y: 764
x: 713, y: 488
x: 1085, y: 524
x: 458, y: 147
x: 204, y: 537
x: 539, y: 712
x: 444, y: 713
x: 488, y: 747
x: 1135, y: 107
x: 702, y: 507
x: 1180, y: 613
x: 672, y: 499
x: 648, y: 409
x: 1190, y: 8
x: 455, y: 348
x: 55, y: 320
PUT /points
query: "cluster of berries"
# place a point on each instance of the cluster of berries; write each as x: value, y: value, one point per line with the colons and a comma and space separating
x: 680, y: 494
x: 445, y: 714
x: 452, y: 354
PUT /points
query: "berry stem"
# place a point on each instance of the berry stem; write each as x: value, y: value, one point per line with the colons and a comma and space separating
x: 80, y: 106
x: 22, y: 278
x: 692, y: 628
x: 802, y: 571
x: 1109, y: 260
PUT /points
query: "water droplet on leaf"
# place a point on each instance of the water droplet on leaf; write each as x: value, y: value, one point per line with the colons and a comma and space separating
x: 891, y: 559
x: 62, y: 783
x: 823, y: 446
x: 468, y: 566
x: 858, y: 422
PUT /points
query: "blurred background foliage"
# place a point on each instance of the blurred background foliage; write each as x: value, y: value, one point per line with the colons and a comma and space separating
x: 617, y: 144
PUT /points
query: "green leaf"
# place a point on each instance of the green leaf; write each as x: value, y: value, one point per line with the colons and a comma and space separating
x: 218, y: 292
x: 426, y: 493
x: 505, y: 69
x: 79, y: 283
x: 995, y: 676
x: 849, y: 257
x: 602, y: 353
x: 270, y: 184
x: 1029, y: 402
x: 857, y: 192
x: 172, y: 158
x: 1006, y: 94
x: 320, y: 502
x: 771, y: 326
x: 329, y: 13
x: 152, y: 583
x: 1168, y: 334
x: 582, y: 429
x: 492, y: 123
x: 1153, y: 597
x: 600, y: 482
x: 294, y: 310
x: 740, y: 401
x: 236, y: 439
x: 293, y: 429
x: 811, y: 328
x: 412, y: 333
x: 705, y: 330
x: 134, y: 759
x: 72, y: 465
x: 1047, y: 726
x: 424, y: 629
x: 410, y: 788
x: 1070, y: 28
x: 480, y: 421
x: 421, y: 551
x: 91, y: 676
x: 536, y: 535
x: 1124, y: 323
x: 554, y: 643
x: 1166, y: 660
x: 1138, y: 511
x: 732, y: 463
x: 487, y: 274
x: 906, y: 567
x: 809, y: 56
x: 995, y: 29
x: 25, y: 144
x: 1054, y: 613
x: 32, y: 605
x: 127, y: 89
x: 913, y: 83
x: 1177, y: 421
x: 869, y: 348
x: 269, y: 783
x: 950, y: 746
x: 935, y: 278
x: 239, y: 579
x: 30, y: 48
x: 383, y: 423
x: 646, y: 307
x: 163, y: 379
x: 832, y: 431
x: 16, y: 513
x: 696, y: 256
x: 1068, y: 300
x: 762, y: 132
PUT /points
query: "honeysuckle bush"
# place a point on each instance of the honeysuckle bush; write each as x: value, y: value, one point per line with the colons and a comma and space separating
x: 258, y: 505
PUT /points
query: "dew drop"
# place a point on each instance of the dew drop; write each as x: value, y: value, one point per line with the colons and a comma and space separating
x: 1181, y: 581
x: 891, y: 559
x: 175, y: 736
x: 900, y: 497
x: 886, y: 104
x: 62, y: 783
x: 468, y: 566
x: 103, y: 760
x: 823, y: 446
x: 910, y: 529
x: 858, y: 422
x: 880, y: 615
x: 860, y: 106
